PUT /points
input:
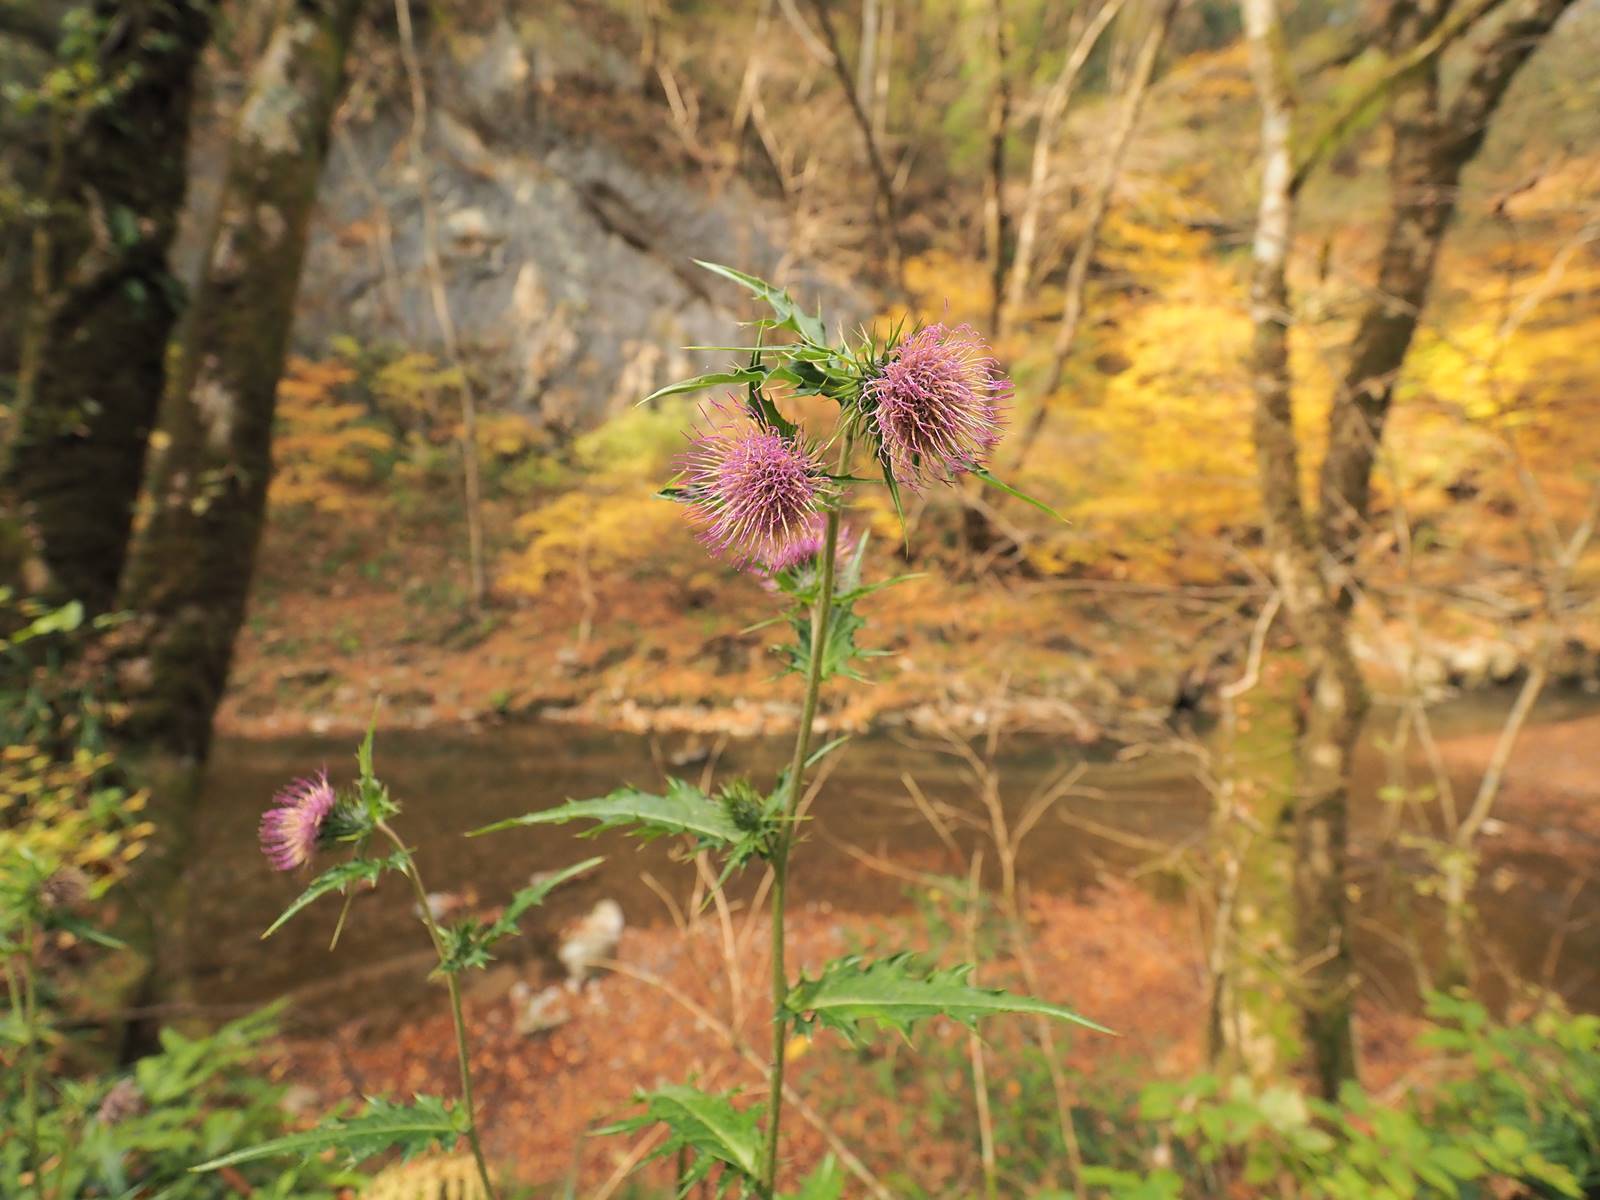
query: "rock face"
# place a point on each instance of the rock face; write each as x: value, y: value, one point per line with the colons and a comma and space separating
x: 567, y: 255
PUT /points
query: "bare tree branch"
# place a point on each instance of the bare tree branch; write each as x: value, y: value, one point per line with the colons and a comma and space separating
x: 1055, y: 108
x: 1083, y: 255
x: 1338, y: 128
x: 1432, y: 147
x: 889, y: 218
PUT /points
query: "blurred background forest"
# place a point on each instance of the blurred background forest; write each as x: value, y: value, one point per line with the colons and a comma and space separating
x: 325, y: 324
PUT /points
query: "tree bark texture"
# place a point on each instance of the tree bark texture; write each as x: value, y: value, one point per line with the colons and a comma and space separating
x: 103, y: 303
x: 191, y: 576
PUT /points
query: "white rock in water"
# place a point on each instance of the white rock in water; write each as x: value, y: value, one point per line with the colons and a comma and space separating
x: 592, y: 939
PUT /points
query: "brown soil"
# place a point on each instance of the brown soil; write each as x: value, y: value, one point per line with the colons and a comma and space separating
x: 1116, y: 955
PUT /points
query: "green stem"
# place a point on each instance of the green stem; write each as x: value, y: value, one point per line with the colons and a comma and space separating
x: 454, y: 988
x: 21, y: 995
x: 821, y: 613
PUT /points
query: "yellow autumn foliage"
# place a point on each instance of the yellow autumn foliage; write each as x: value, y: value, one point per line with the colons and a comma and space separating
x: 325, y: 446
x: 56, y: 814
x: 611, y: 518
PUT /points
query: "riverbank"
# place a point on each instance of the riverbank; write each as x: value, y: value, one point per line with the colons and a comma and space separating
x: 676, y: 651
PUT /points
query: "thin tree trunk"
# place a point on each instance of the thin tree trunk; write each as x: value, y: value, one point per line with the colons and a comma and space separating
x: 994, y: 196
x: 1099, y: 204
x: 472, y: 491
x: 885, y: 71
x: 1056, y: 102
x: 103, y: 302
x: 1432, y: 145
x: 190, y: 577
x: 867, y: 59
x: 1336, y: 698
x: 887, y: 210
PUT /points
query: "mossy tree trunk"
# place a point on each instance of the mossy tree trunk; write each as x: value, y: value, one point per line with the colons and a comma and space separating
x: 101, y: 301
x: 190, y: 577
x: 1255, y: 1022
x: 1336, y: 698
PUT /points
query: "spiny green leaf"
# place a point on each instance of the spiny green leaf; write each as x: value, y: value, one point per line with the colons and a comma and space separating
x: 467, y: 943
x: 466, y: 947
x: 1017, y: 494
x: 738, y: 375
x: 337, y: 879
x: 535, y: 894
x: 85, y: 931
x: 827, y: 748
x: 894, y: 992
x: 893, y: 484
x: 364, y: 751
x: 59, y: 620
x: 704, y: 1122
x: 789, y: 314
x: 370, y: 790
x: 683, y: 809
x: 766, y: 413
x: 839, y: 651
x: 408, y: 1128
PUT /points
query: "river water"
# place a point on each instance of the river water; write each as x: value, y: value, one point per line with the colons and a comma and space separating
x: 451, y: 781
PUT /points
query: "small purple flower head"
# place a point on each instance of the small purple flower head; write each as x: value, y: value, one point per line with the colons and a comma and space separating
x: 753, y: 491
x: 804, y: 551
x: 292, y: 827
x: 938, y: 405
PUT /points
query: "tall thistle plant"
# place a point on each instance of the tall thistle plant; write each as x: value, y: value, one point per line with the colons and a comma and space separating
x: 919, y: 409
x: 310, y: 817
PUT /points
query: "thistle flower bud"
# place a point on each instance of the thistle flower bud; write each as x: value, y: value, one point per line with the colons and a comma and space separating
x: 298, y: 822
x: 743, y: 804
x: 802, y: 554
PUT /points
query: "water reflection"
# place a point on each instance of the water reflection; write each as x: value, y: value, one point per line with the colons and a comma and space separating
x: 451, y: 781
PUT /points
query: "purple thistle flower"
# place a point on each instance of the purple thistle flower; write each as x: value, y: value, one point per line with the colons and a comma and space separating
x: 753, y: 491
x: 807, y: 549
x: 291, y: 828
x: 938, y: 405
